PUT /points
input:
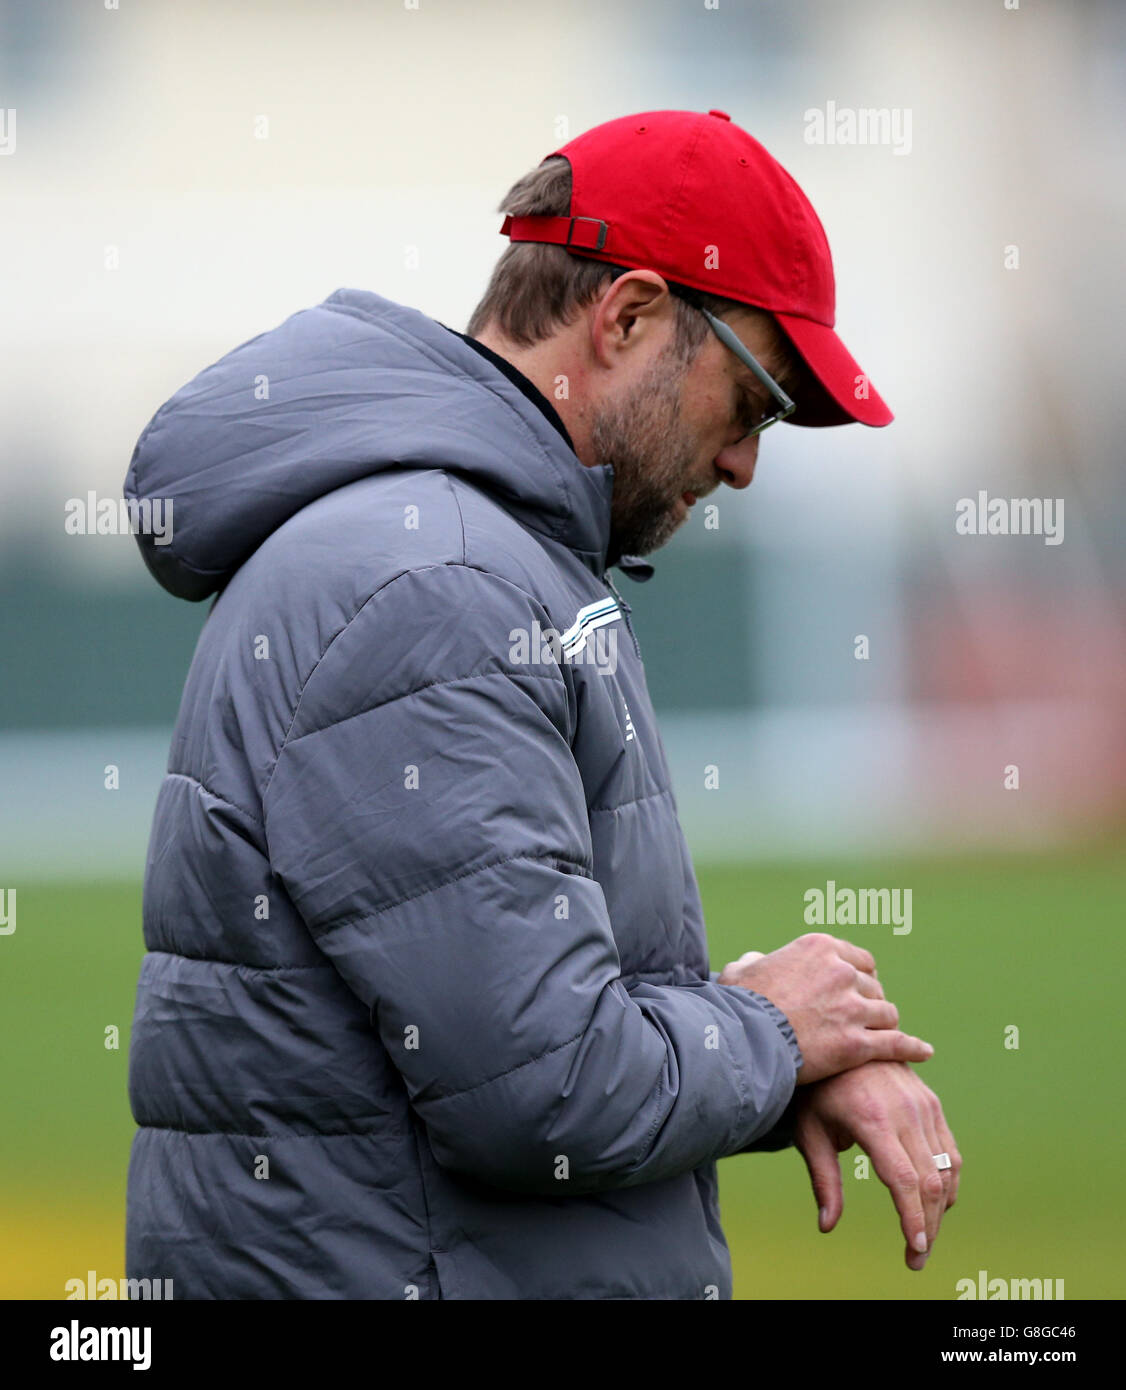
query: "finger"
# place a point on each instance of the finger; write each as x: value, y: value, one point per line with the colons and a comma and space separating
x: 947, y: 1145
x: 890, y: 1045
x: 943, y: 1142
x: 820, y: 1154
x: 856, y: 955
x: 896, y: 1170
x: 878, y: 1013
x: 868, y: 985
x: 734, y: 966
x: 921, y: 1143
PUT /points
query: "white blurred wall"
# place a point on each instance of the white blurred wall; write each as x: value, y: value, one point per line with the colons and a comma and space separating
x: 393, y: 132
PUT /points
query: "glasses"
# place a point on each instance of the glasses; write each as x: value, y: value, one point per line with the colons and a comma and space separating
x: 786, y: 406
x: 727, y: 336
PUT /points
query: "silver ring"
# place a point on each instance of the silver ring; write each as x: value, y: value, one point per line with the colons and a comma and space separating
x: 942, y: 1160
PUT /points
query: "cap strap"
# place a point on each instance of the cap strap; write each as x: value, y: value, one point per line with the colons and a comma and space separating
x: 585, y: 233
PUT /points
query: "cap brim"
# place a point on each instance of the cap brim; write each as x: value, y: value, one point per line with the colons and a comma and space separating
x: 848, y: 396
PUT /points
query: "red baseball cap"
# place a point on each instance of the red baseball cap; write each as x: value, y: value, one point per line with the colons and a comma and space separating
x: 698, y: 200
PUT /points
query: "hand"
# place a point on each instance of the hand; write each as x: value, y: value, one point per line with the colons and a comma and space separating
x: 828, y: 990
x: 886, y: 1109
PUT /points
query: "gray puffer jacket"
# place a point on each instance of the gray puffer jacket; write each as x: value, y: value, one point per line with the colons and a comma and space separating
x: 426, y: 1010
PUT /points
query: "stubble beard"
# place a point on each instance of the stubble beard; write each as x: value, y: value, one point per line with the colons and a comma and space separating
x: 639, y: 436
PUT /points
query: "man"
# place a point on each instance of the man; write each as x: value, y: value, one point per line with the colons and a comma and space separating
x: 427, y: 1010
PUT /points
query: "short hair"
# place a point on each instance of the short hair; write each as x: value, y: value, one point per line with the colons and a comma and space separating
x: 536, y: 288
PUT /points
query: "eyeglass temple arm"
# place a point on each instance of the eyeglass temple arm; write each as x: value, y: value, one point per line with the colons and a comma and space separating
x: 740, y: 351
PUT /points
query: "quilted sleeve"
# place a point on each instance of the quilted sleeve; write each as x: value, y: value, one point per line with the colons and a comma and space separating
x: 428, y: 819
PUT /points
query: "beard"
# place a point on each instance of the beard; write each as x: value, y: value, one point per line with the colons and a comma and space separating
x: 639, y: 436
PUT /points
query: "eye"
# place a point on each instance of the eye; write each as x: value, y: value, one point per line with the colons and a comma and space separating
x: 750, y: 411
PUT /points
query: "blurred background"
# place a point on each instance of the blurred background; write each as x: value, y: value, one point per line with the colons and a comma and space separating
x: 176, y: 179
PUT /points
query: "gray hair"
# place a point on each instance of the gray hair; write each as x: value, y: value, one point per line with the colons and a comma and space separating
x: 537, y: 288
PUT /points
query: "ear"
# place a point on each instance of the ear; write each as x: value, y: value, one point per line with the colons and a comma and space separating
x: 635, y: 312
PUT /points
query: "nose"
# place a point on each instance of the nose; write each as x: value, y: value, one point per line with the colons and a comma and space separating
x: 736, y: 464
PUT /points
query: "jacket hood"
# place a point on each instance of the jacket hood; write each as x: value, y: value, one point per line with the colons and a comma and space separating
x: 336, y: 393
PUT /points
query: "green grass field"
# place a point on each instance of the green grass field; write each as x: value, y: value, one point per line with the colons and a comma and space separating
x: 1025, y: 941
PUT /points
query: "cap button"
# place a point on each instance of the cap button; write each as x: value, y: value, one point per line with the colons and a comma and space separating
x: 723, y: 116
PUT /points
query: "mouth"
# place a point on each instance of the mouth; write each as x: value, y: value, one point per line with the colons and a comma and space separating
x: 688, y: 499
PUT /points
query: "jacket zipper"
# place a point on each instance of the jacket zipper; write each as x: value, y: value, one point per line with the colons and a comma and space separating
x: 626, y: 611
